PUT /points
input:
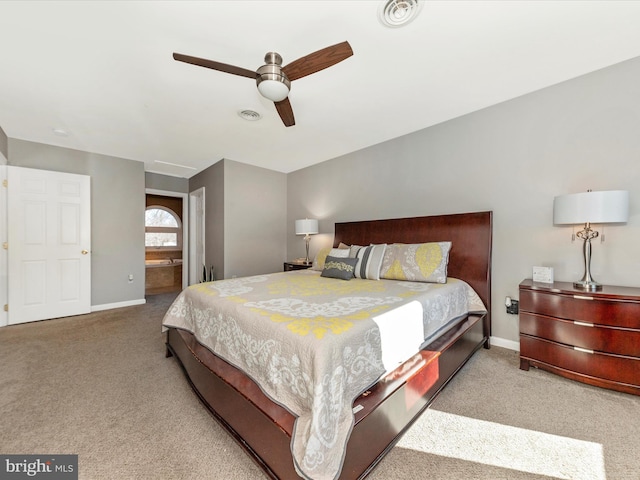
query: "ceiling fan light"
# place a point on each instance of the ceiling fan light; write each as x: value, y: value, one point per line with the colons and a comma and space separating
x: 273, y: 89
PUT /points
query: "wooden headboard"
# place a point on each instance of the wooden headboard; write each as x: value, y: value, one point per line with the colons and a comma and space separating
x: 470, y: 234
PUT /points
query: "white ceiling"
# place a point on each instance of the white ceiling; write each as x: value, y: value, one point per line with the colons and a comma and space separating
x: 104, y: 73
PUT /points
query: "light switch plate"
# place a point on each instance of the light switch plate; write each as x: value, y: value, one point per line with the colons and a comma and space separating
x: 543, y: 274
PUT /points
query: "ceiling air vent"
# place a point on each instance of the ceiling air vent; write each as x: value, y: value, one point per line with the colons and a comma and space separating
x: 249, y: 115
x: 396, y: 13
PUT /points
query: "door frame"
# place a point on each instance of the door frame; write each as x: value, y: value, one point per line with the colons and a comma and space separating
x: 197, y: 225
x: 185, y: 227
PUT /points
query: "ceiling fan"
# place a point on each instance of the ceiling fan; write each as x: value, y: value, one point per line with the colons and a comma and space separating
x: 274, y: 80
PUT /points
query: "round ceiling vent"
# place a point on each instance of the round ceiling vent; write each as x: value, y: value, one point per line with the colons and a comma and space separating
x: 395, y: 13
x: 61, y: 132
x: 249, y: 115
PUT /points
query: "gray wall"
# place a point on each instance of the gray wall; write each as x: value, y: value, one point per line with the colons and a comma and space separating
x: 212, y: 179
x: 167, y: 183
x: 245, y: 218
x: 255, y: 219
x: 512, y: 158
x: 117, y: 214
x: 4, y: 147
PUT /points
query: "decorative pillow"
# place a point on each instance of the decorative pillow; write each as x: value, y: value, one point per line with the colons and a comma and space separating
x: 335, y: 267
x: 418, y: 262
x: 369, y: 260
x: 342, y: 246
x: 318, y: 262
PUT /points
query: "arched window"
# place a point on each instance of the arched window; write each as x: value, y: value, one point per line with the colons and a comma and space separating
x: 162, y: 228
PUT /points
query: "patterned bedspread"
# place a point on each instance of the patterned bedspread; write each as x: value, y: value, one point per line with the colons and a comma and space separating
x: 313, y: 344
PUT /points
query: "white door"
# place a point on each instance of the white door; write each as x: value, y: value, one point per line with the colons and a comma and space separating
x: 3, y: 239
x: 49, y: 237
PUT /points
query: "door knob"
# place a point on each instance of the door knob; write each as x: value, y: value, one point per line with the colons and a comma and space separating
x: 84, y: 252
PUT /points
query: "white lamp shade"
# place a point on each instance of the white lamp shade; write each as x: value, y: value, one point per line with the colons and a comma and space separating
x: 591, y: 207
x: 306, y: 226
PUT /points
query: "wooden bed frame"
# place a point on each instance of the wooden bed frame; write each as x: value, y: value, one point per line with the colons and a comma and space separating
x: 387, y: 409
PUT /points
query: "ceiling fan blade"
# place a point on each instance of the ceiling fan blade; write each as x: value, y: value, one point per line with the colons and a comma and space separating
x: 316, y: 61
x: 222, y: 67
x: 286, y: 112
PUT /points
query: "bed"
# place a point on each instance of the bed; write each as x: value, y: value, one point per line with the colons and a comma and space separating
x: 389, y: 400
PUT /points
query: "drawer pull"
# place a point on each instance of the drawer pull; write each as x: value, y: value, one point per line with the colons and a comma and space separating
x: 582, y: 297
x: 583, y: 324
x: 584, y: 350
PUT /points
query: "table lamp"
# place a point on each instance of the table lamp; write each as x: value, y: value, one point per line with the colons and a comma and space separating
x: 307, y: 227
x: 590, y: 207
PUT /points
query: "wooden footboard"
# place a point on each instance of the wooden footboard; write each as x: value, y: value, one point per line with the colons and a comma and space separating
x: 263, y: 428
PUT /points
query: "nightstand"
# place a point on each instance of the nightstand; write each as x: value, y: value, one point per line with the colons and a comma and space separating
x: 295, y: 265
x: 591, y: 337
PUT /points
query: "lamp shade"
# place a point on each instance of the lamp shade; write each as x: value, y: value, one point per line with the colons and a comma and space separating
x: 591, y: 207
x: 306, y: 226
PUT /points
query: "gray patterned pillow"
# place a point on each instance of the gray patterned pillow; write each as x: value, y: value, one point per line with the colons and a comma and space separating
x: 342, y: 268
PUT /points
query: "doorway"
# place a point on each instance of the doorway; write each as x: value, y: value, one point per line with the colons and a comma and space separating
x: 166, y: 244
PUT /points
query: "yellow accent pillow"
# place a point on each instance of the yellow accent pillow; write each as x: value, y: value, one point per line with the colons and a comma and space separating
x: 418, y: 262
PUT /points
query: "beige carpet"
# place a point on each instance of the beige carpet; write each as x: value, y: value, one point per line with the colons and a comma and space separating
x: 100, y: 386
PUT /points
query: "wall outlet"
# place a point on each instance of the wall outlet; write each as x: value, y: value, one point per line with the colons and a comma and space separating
x: 512, y: 305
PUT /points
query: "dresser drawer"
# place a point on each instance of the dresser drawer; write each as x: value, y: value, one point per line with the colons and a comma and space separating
x: 616, y: 368
x: 582, y: 307
x: 615, y: 340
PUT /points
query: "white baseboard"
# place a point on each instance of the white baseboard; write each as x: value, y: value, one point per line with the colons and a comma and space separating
x: 504, y: 343
x: 109, y: 306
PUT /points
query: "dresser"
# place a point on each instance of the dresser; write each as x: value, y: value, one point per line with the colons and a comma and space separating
x: 591, y: 337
